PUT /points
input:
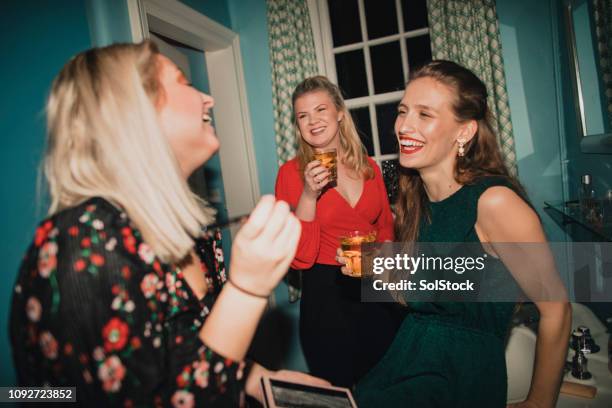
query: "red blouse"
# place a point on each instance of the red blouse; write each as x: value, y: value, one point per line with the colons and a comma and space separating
x: 334, y: 216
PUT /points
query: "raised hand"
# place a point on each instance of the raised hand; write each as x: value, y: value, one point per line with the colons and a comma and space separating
x: 264, y: 247
x: 316, y: 177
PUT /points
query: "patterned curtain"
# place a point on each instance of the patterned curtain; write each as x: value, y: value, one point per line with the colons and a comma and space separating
x: 466, y: 31
x: 292, y: 59
x: 602, y: 10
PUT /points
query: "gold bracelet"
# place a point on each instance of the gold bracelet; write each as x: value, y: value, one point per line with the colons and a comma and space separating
x: 247, y: 292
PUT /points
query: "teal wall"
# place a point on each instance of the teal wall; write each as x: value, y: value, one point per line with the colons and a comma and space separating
x: 249, y: 21
x: 277, y: 343
x: 109, y: 22
x: 543, y: 115
x: 578, y: 163
x: 529, y: 52
x: 588, y: 57
x: 33, y: 51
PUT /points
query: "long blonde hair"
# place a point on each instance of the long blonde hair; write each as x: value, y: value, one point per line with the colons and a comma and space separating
x: 354, y: 153
x: 104, y: 140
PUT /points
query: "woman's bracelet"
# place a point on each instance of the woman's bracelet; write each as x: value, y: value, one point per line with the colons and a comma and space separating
x: 247, y: 292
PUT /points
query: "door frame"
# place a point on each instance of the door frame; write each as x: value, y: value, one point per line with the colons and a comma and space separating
x: 221, y: 47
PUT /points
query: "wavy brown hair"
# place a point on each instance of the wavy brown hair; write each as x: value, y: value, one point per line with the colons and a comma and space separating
x: 355, y: 154
x: 482, y: 154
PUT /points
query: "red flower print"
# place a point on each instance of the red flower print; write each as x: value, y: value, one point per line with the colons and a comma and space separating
x: 201, y: 374
x: 115, y: 334
x: 73, y: 231
x: 148, y: 285
x: 135, y: 343
x: 170, y: 283
x: 48, y: 345
x: 79, y: 265
x: 42, y: 232
x: 182, y: 399
x: 182, y: 380
x: 125, y: 272
x: 97, y: 259
x: 68, y: 349
x: 146, y: 253
x: 130, y: 244
x: 86, y: 242
x: 111, y: 373
x: 47, y: 260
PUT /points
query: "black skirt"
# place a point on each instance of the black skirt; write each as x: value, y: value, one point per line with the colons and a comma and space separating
x: 342, y: 338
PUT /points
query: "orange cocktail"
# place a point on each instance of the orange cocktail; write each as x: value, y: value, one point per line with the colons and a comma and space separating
x: 351, y: 249
x: 328, y: 159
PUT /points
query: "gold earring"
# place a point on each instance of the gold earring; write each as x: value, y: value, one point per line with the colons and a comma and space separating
x: 461, y: 151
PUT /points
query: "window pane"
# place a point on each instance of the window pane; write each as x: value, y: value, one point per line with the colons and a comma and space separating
x: 390, y: 173
x: 381, y: 18
x: 344, y: 19
x: 415, y: 14
x: 361, y: 117
x: 385, y: 118
x: 419, y: 51
x: 350, y: 67
x: 387, y: 67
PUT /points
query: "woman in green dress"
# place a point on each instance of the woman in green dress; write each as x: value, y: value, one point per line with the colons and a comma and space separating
x: 454, y: 187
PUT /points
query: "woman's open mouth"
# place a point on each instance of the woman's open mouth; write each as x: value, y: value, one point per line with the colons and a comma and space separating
x: 409, y: 145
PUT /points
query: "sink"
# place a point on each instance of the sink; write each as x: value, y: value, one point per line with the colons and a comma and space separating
x: 520, y: 354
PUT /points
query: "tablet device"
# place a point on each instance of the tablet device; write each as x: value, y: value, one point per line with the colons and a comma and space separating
x: 283, y: 394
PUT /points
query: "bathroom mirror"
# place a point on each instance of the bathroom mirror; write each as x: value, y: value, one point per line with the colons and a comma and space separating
x: 589, y: 37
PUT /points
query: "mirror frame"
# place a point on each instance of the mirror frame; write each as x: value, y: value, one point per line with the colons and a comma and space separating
x: 596, y: 143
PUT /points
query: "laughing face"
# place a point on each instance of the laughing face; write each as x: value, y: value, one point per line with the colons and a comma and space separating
x: 318, y: 119
x: 426, y: 126
x: 185, y: 118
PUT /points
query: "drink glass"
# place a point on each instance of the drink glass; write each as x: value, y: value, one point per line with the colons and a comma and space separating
x: 351, y: 249
x: 328, y: 159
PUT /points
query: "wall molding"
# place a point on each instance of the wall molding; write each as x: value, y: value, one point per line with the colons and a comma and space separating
x: 221, y: 47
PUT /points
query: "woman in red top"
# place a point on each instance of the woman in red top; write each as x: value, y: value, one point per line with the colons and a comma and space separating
x: 341, y: 337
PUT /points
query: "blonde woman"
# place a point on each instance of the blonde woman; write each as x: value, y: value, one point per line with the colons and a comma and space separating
x: 115, y: 295
x: 341, y: 337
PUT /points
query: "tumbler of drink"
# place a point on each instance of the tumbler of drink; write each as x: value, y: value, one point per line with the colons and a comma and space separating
x: 351, y: 249
x: 328, y: 158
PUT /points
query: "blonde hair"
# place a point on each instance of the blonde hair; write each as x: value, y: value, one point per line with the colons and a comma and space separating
x: 104, y: 140
x: 355, y: 154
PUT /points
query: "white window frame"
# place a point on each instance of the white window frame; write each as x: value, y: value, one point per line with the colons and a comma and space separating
x: 325, y: 52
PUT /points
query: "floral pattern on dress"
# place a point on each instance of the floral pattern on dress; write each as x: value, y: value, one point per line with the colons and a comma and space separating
x: 94, y: 307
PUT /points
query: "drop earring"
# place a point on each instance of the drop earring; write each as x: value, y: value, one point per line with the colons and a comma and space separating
x: 461, y: 151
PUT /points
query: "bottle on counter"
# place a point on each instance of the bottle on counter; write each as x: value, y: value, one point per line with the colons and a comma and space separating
x: 588, y: 204
x: 607, y: 208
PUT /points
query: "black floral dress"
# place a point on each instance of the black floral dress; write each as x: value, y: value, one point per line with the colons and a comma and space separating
x: 94, y: 308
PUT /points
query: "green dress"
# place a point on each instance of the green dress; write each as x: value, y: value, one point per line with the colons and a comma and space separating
x: 447, y: 354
